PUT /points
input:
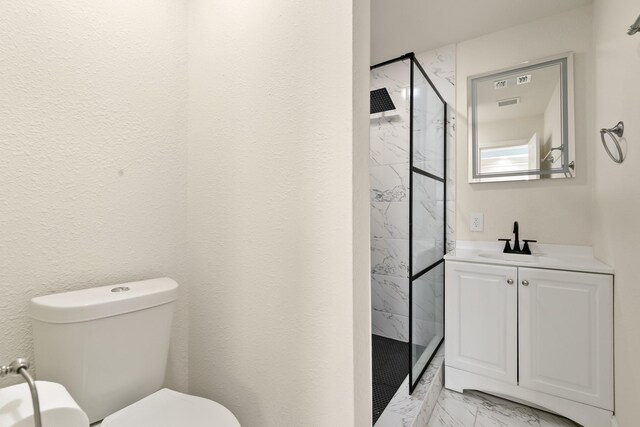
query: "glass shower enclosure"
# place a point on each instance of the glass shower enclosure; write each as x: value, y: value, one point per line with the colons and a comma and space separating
x: 408, y: 209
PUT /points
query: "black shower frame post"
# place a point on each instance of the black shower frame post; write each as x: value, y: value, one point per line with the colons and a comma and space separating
x: 412, y: 384
x: 411, y: 277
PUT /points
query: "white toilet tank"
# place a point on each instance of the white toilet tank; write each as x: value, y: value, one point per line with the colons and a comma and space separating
x: 109, y: 345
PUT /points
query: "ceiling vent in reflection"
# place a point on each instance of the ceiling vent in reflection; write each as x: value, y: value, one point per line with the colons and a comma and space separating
x: 507, y: 102
x: 381, y: 101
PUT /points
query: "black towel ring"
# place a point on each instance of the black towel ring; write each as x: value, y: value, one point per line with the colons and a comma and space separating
x: 616, y: 130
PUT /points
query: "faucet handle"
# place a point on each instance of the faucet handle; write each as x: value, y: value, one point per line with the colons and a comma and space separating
x: 525, y: 249
x: 507, y: 246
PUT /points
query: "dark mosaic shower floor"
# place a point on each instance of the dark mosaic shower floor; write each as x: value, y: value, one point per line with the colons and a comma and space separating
x: 390, y: 367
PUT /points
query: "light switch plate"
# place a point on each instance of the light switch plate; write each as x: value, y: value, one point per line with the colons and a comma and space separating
x: 476, y: 222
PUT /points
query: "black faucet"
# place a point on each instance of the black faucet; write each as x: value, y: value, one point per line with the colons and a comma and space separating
x: 516, y: 246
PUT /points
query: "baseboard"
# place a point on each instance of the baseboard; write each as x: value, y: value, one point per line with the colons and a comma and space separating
x: 586, y: 415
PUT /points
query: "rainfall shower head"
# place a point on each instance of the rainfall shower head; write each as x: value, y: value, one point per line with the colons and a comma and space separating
x: 381, y: 101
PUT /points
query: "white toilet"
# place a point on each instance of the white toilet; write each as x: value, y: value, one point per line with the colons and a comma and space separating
x: 108, y: 346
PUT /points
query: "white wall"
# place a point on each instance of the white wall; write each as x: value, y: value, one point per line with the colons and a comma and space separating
x: 93, y: 165
x: 616, y: 203
x: 92, y: 154
x: 529, y: 201
x: 278, y: 210
x: 361, y: 227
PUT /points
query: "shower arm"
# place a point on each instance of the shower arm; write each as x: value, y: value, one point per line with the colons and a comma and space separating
x: 551, y: 151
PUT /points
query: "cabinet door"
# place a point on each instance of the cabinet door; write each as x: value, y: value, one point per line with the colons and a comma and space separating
x: 481, y: 319
x: 566, y: 335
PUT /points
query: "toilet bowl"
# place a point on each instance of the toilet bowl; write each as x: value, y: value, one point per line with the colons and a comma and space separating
x: 168, y: 408
x: 109, y: 346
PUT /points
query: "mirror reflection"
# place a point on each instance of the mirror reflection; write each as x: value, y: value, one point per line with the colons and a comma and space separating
x: 520, y: 123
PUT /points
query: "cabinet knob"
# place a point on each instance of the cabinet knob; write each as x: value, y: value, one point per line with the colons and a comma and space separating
x: 525, y: 283
x: 510, y: 281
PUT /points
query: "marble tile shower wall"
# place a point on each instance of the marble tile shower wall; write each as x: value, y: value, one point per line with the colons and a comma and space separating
x: 390, y: 188
x: 390, y: 205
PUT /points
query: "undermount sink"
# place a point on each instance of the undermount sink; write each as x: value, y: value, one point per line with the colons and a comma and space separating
x: 509, y: 257
x: 557, y: 257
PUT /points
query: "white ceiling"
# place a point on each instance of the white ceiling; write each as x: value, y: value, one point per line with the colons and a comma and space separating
x: 401, y: 26
x: 534, y: 97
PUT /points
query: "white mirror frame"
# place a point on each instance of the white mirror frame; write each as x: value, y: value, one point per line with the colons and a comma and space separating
x: 568, y: 143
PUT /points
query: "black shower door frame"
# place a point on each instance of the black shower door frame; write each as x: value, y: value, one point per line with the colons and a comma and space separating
x: 414, y: 64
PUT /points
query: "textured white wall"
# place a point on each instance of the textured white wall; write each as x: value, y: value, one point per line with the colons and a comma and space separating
x: 551, y: 211
x: 93, y: 165
x: 361, y: 281
x: 617, y: 190
x: 278, y: 210
x: 92, y: 154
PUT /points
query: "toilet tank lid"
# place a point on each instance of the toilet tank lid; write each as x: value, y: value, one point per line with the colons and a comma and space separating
x: 105, y: 301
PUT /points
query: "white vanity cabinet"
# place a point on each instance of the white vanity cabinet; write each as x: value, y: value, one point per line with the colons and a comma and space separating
x: 482, y: 319
x: 540, y: 336
x: 565, y: 332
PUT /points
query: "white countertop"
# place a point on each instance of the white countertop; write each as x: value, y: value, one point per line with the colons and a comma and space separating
x: 555, y: 257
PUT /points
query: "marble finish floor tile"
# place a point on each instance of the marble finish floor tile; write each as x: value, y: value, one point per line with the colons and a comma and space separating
x: 393, y: 419
x: 474, y: 409
x: 550, y: 420
x: 453, y: 410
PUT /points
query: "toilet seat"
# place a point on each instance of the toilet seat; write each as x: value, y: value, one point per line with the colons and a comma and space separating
x: 168, y: 408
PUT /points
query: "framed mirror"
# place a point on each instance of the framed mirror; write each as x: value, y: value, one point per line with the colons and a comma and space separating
x: 521, y: 122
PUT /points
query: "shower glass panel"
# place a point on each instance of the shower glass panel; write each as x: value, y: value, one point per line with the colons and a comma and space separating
x: 407, y: 154
x: 428, y: 318
x: 427, y: 231
x: 427, y: 210
x: 389, y: 169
